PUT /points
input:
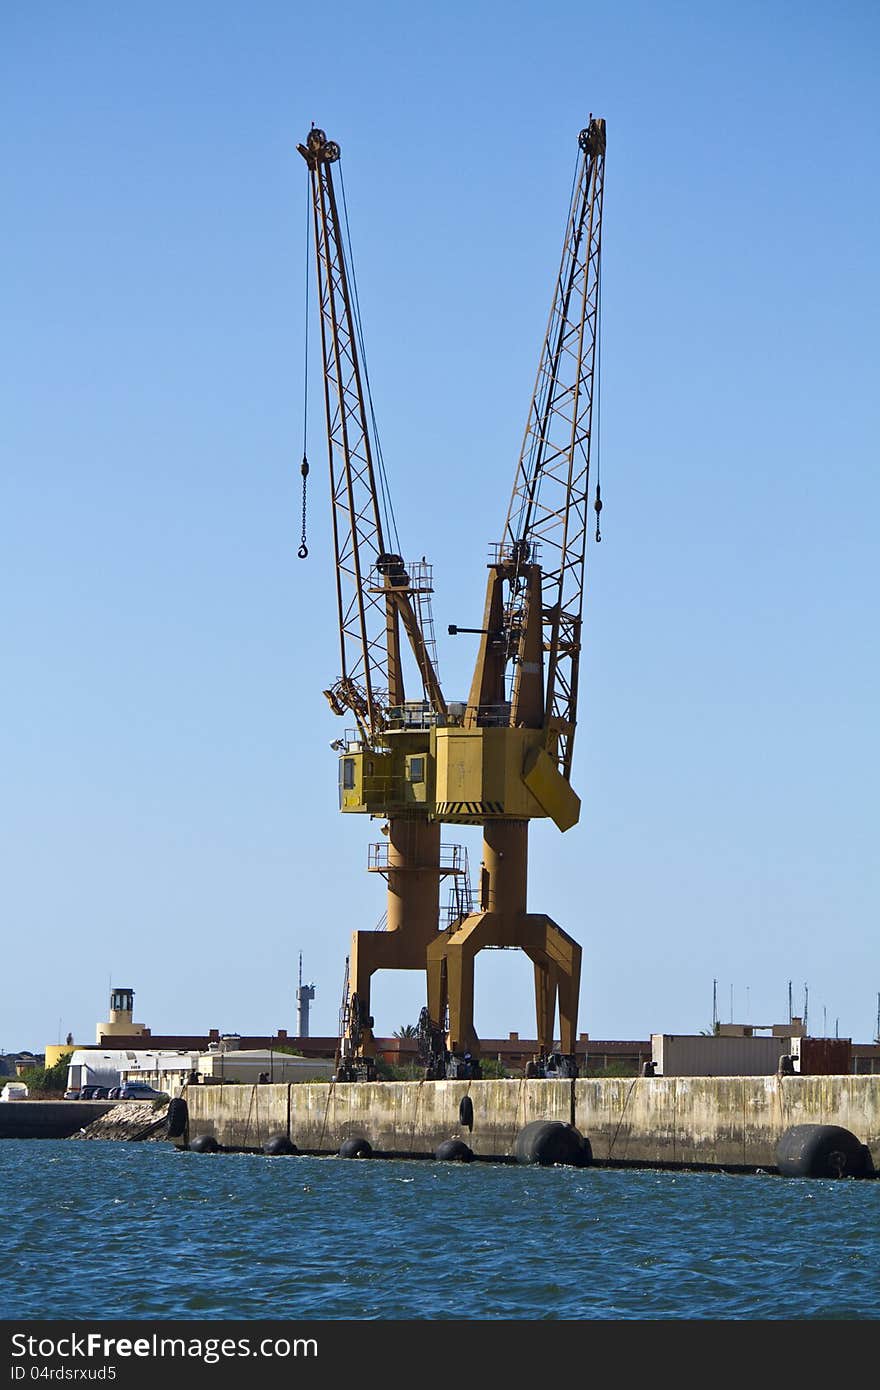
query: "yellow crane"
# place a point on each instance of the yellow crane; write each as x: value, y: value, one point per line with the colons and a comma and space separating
x: 504, y: 757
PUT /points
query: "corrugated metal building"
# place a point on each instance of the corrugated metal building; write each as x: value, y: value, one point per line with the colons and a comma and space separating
x: 748, y: 1054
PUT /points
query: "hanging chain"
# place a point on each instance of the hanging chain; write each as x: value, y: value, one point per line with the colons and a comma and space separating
x: 304, y: 549
x: 597, y: 507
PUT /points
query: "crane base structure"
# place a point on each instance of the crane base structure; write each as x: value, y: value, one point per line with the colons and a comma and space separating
x: 503, y: 922
x: 556, y: 958
x: 412, y: 861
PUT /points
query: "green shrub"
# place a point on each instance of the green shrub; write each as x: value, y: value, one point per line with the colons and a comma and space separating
x: 409, y: 1071
x: 622, y: 1067
x: 48, y: 1081
x: 493, y: 1070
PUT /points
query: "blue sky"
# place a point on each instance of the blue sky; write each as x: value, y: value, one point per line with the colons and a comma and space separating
x: 169, y: 814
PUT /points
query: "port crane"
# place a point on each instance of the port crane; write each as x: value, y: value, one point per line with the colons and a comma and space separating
x: 505, y: 757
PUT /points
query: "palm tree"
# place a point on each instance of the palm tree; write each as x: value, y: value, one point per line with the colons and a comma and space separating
x: 406, y: 1030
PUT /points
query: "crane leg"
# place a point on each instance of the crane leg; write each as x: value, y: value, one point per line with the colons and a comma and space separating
x: 460, y: 987
x: 504, y: 921
x: 556, y: 958
x: 413, y: 875
x: 546, y: 990
x: 569, y: 981
x: 433, y: 1017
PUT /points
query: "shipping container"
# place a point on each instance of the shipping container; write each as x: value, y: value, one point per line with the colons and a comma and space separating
x: 822, y: 1056
x: 676, y: 1054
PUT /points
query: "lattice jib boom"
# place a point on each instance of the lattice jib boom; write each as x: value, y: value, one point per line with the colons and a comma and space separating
x: 549, y: 504
x: 357, y: 524
x: 375, y: 593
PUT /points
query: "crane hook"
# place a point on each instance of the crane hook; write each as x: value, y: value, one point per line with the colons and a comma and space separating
x: 303, y: 548
x: 597, y: 507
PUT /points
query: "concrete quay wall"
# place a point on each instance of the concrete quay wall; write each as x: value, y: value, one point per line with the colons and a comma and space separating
x: 399, y: 1118
x: 241, y: 1116
x: 413, y: 1117
x: 719, y: 1122
x: 714, y: 1122
x: 48, y: 1119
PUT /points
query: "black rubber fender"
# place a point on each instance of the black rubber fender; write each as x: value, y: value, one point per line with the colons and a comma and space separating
x: 821, y: 1151
x: 466, y: 1112
x: 453, y: 1151
x: 178, y: 1115
x: 356, y: 1147
x: 279, y: 1144
x: 204, y: 1144
x: 546, y: 1142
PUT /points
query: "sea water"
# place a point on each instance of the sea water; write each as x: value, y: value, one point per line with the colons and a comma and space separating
x: 100, y: 1229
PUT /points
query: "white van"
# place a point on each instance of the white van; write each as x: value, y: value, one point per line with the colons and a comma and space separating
x: 14, y: 1090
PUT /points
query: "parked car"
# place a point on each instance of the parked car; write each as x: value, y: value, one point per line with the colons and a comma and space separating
x: 14, y: 1090
x: 100, y: 1093
x: 71, y: 1095
x: 114, y: 1093
x: 140, y: 1090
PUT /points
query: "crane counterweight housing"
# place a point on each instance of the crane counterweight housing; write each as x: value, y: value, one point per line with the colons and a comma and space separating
x: 503, y: 757
x: 457, y: 775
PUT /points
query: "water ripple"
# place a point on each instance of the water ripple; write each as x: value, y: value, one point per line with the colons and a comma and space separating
x: 198, y: 1236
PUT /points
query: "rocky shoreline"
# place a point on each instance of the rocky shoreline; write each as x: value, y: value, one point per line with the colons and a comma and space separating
x: 130, y: 1122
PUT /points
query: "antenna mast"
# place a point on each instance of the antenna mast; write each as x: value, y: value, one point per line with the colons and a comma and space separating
x: 304, y: 996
